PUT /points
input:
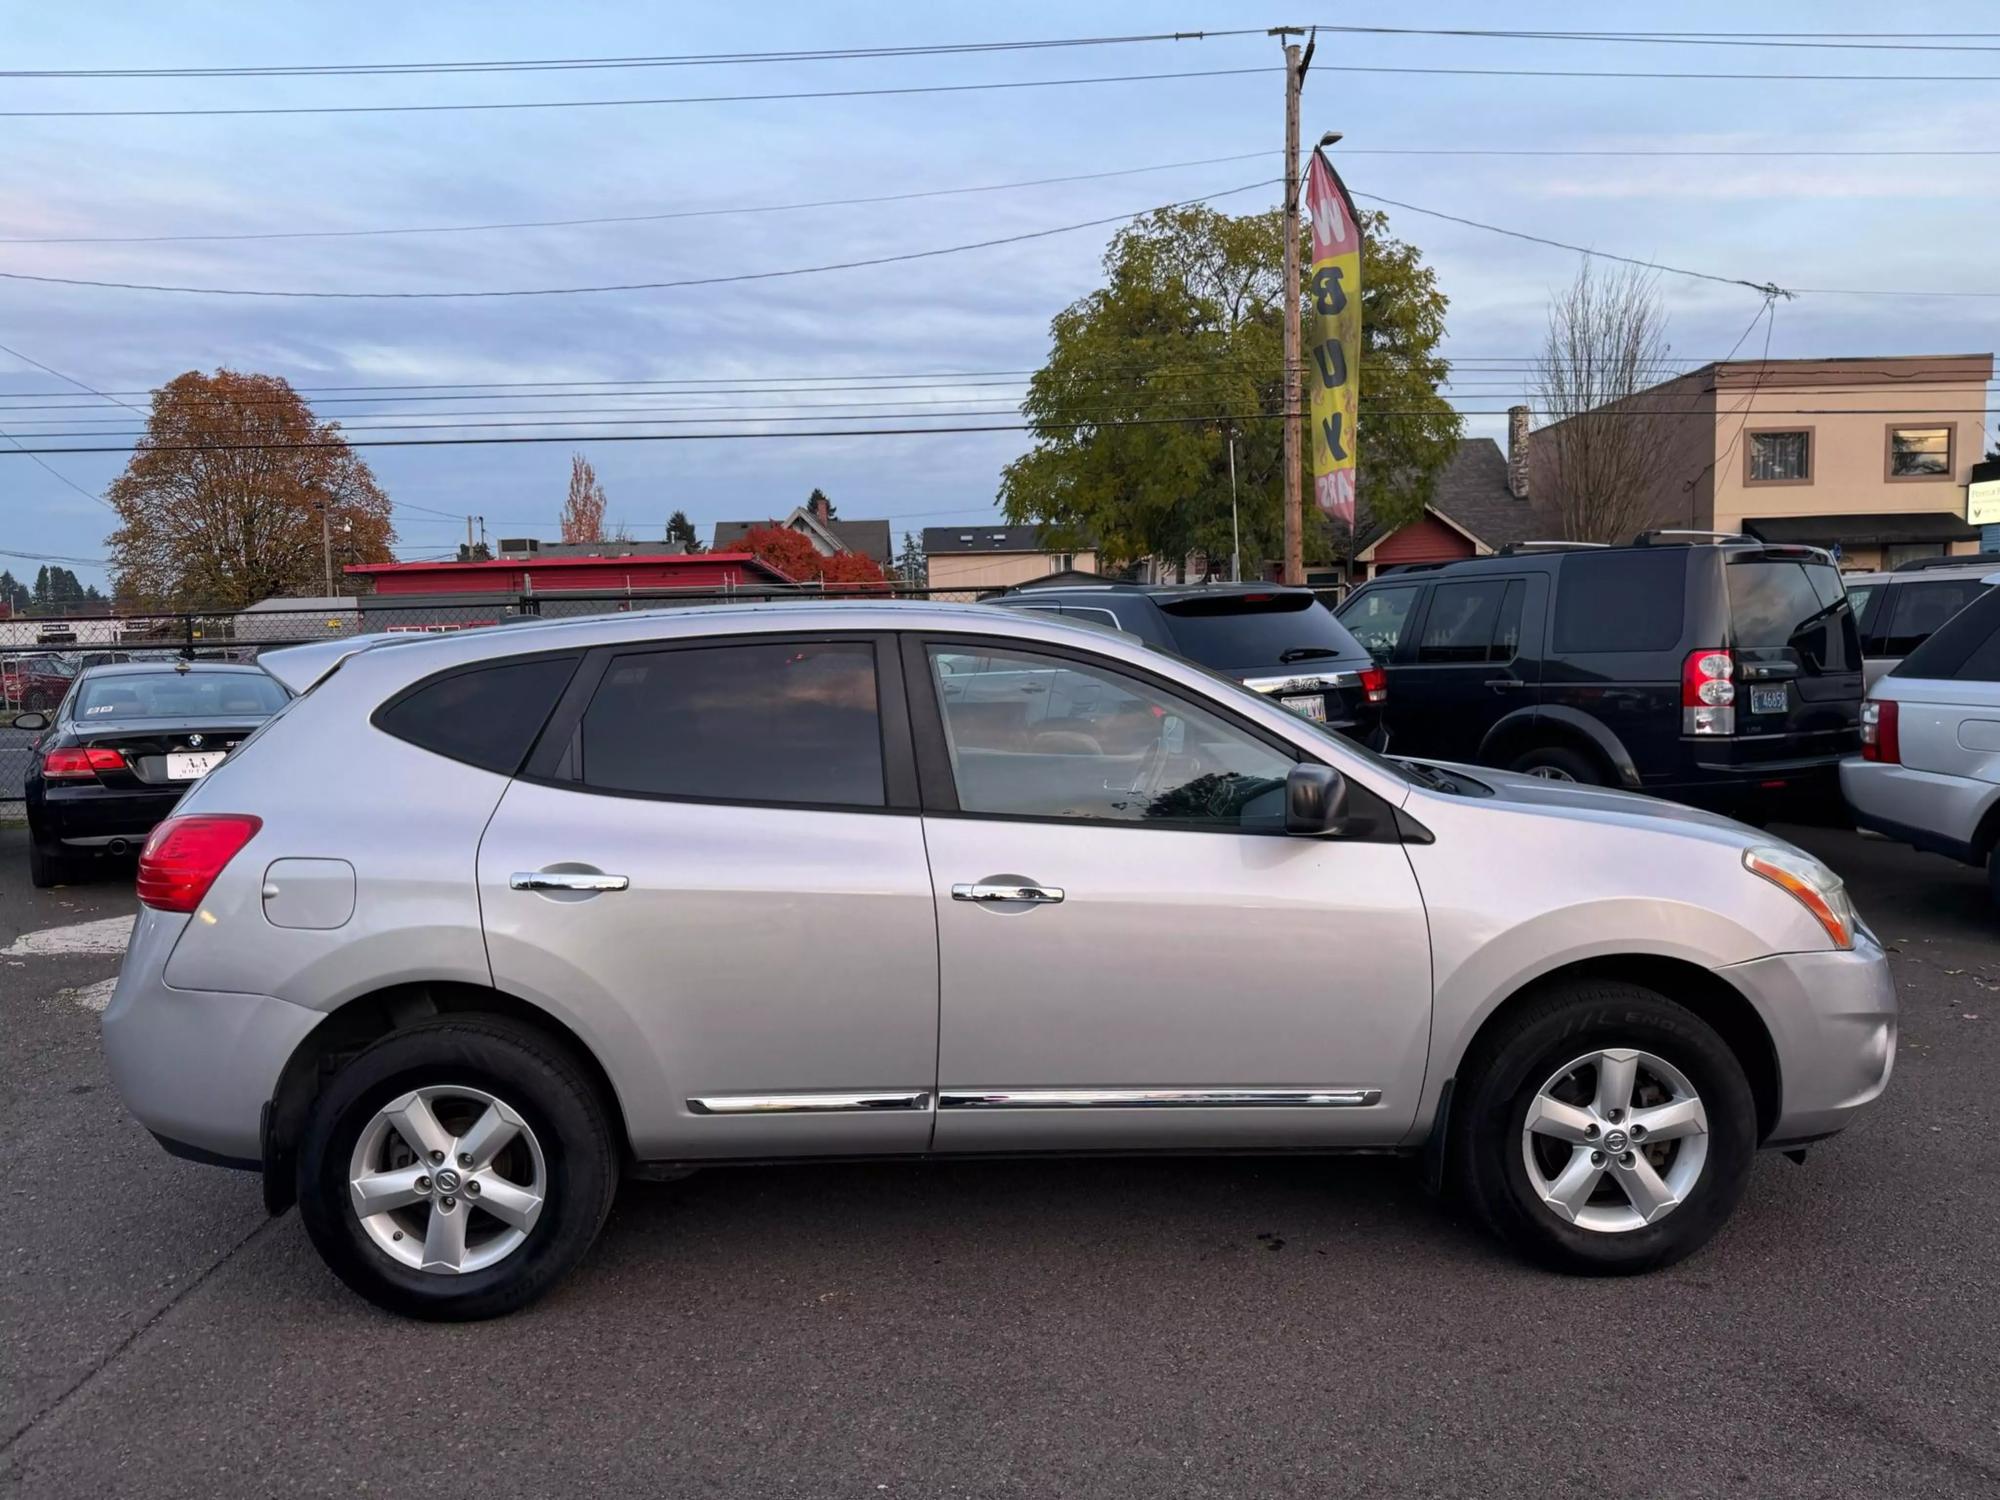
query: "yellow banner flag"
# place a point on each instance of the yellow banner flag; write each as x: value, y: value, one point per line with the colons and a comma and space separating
x: 1333, y: 337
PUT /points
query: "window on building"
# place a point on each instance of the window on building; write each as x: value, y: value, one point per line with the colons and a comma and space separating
x: 1919, y: 452
x: 779, y: 722
x: 1778, y: 457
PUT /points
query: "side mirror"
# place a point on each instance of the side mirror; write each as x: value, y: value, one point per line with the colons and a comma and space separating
x: 1315, y: 800
x: 31, y: 720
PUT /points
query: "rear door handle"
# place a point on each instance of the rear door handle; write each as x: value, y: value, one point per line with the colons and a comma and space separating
x: 993, y: 890
x: 565, y: 880
x: 1503, y: 684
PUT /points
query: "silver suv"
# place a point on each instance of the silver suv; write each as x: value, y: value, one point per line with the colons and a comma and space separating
x: 480, y: 923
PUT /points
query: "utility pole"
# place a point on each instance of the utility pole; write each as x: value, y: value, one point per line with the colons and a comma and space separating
x: 1235, y: 536
x: 326, y: 544
x: 1296, y: 63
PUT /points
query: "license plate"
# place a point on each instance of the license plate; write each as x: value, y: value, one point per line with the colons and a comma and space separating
x: 1313, y: 707
x: 1767, y: 700
x: 192, y: 766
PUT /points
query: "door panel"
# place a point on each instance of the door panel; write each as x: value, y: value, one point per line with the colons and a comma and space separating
x: 1473, y: 662
x: 756, y: 953
x: 1182, y: 960
x: 1151, y: 964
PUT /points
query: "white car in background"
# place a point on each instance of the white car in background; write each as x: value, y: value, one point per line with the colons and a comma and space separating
x: 1929, y: 770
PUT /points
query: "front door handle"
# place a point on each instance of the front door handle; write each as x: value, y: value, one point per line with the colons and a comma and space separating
x: 1504, y: 684
x: 565, y: 880
x: 994, y: 890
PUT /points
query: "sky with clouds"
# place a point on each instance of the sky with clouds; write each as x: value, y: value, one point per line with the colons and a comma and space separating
x: 1832, y: 221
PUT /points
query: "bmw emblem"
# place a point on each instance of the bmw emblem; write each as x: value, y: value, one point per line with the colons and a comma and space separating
x: 194, y: 741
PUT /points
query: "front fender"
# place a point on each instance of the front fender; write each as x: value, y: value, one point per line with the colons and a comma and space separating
x: 1571, y: 720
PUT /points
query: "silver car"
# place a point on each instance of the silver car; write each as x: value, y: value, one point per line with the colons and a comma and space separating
x: 480, y: 923
x: 1929, y: 770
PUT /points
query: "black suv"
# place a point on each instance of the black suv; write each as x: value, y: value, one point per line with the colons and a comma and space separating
x: 1718, y: 671
x: 1277, y: 640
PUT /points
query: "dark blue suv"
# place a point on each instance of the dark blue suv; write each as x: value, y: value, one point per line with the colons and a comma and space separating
x: 1719, y: 671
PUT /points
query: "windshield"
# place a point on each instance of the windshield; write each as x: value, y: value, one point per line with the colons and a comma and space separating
x: 1256, y: 630
x: 1778, y: 604
x: 179, y: 695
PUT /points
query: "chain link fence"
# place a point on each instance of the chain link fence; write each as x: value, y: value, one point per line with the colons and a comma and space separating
x: 41, y: 658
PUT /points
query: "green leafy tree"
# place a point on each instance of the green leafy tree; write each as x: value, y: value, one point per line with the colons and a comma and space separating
x: 681, y: 529
x: 15, y: 596
x: 1189, y: 324
x: 911, y: 565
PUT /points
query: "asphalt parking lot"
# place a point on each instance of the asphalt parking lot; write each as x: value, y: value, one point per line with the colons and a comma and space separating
x: 1249, y: 1327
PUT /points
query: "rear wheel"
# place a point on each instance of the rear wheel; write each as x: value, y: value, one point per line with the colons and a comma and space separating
x: 1605, y: 1129
x: 1558, y: 763
x: 458, y: 1169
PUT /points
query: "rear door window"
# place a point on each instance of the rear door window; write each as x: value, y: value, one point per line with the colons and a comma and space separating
x: 1917, y: 608
x: 487, y: 717
x: 1256, y: 630
x: 1473, y: 622
x: 779, y: 721
x: 1375, y: 617
x: 1778, y: 604
x: 1632, y: 599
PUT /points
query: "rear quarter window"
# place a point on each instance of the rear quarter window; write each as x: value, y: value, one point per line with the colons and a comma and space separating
x: 1621, y: 601
x: 487, y: 716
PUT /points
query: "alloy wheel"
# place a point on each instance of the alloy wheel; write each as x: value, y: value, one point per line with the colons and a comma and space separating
x: 1550, y: 773
x: 447, y: 1179
x: 1615, y: 1140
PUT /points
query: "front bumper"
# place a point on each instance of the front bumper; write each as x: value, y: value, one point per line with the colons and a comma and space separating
x: 1925, y: 809
x: 195, y: 1067
x: 1832, y: 1018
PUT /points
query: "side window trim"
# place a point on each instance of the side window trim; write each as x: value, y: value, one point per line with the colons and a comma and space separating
x: 550, y: 763
x: 938, y: 787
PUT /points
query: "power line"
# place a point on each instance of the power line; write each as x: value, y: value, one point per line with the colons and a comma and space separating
x: 393, y: 109
x: 53, y: 557
x: 40, y: 462
x: 1210, y: 419
x: 1817, y: 41
x: 1632, y: 74
x: 655, y: 60
x: 687, y: 213
x: 636, y: 286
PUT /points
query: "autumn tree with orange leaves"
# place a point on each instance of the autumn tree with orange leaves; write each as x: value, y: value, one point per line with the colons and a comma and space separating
x: 583, y: 511
x: 221, y: 501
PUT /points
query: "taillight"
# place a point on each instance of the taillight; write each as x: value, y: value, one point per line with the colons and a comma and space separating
x: 80, y: 764
x: 185, y: 854
x: 1708, y: 692
x: 1880, y: 737
x: 1375, y: 684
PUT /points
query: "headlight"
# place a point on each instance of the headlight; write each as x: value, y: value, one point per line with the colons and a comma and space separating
x: 1811, y: 884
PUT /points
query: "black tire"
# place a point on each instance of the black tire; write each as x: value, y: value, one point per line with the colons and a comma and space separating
x: 45, y: 869
x: 36, y: 701
x: 539, y: 1078
x: 1559, y: 763
x: 1496, y: 1087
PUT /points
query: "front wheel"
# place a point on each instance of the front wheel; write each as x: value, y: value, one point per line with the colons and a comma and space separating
x: 458, y: 1169
x: 1605, y: 1129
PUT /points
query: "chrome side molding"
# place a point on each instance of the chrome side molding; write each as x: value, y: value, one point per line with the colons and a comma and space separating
x: 1292, y: 1098
x: 807, y: 1104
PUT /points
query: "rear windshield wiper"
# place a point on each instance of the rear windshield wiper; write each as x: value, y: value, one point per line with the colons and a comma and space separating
x: 1306, y: 653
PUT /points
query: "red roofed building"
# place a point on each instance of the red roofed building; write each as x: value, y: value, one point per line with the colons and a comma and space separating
x: 565, y: 574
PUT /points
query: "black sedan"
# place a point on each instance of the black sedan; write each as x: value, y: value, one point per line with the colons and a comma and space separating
x: 126, y: 741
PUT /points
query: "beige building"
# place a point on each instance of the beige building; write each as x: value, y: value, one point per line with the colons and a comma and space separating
x: 1868, y: 455
x: 988, y: 557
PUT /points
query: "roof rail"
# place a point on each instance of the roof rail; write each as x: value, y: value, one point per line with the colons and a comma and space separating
x: 1389, y: 569
x: 1965, y: 560
x: 1513, y: 547
x: 1647, y: 538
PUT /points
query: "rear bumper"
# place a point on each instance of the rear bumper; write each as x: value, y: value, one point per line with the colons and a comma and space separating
x: 195, y: 1067
x: 1832, y: 1018
x: 1924, y: 809
x: 90, y: 815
